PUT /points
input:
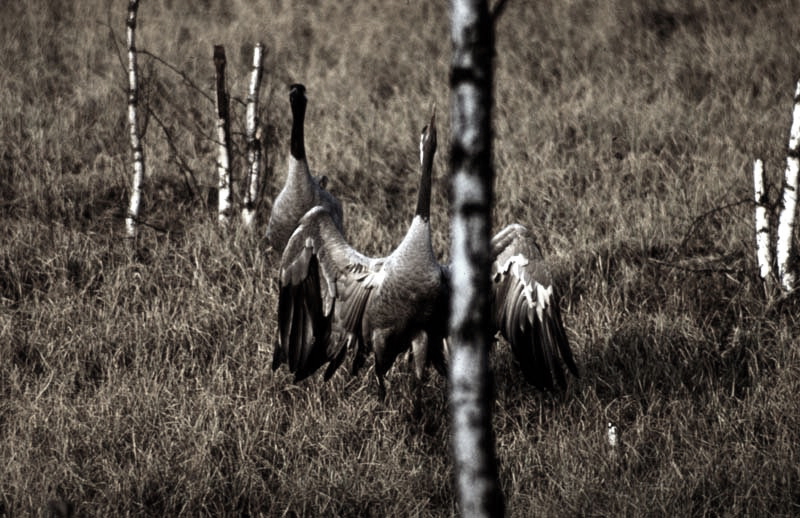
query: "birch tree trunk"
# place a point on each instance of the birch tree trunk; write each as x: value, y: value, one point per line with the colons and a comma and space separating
x: 253, y: 139
x: 136, y: 143
x: 471, y: 391
x: 763, y: 252
x: 223, y: 138
x: 784, y: 249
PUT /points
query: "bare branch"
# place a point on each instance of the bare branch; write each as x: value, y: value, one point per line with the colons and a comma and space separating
x: 114, y: 38
x: 699, y: 219
x: 188, y: 173
x: 186, y: 79
x: 498, y: 9
x: 697, y: 265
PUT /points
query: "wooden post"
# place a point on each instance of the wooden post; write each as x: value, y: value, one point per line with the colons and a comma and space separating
x: 136, y: 144
x: 763, y: 252
x: 253, y: 139
x: 471, y: 391
x: 223, y: 138
x: 784, y: 249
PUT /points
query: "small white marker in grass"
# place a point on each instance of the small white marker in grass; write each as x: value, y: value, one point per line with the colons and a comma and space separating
x: 611, y: 436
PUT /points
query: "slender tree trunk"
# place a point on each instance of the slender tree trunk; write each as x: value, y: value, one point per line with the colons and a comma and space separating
x: 471, y: 391
x: 763, y: 252
x: 253, y: 139
x: 784, y: 250
x: 223, y: 138
x: 136, y: 143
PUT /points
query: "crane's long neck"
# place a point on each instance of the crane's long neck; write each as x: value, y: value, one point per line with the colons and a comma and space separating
x: 298, y: 145
x: 424, y: 194
x: 427, y: 150
x: 299, y: 176
x: 419, y: 233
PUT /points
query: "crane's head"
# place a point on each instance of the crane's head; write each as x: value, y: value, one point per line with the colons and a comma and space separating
x: 427, y: 140
x: 297, y: 97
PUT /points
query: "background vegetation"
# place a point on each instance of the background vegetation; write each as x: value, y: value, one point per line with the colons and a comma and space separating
x: 625, y: 137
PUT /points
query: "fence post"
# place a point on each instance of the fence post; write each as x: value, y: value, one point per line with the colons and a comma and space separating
x: 223, y: 138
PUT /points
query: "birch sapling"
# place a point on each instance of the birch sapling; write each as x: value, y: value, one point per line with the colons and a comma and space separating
x: 471, y: 392
x: 763, y: 252
x: 223, y: 138
x: 784, y: 249
x: 253, y: 138
x: 132, y: 217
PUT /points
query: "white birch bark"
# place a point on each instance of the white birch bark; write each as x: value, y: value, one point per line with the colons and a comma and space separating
x: 223, y: 139
x: 471, y: 391
x: 253, y: 139
x: 136, y: 143
x: 784, y: 249
x: 763, y: 252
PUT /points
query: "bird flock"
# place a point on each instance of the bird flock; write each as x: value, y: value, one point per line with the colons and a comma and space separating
x: 336, y: 303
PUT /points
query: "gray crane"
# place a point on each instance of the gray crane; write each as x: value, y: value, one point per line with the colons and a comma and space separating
x: 334, y: 299
x: 301, y: 191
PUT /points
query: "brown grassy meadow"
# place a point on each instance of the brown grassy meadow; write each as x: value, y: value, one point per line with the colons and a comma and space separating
x: 625, y: 133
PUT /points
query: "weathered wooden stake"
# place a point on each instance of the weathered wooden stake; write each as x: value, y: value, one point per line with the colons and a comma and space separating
x: 223, y: 138
x: 471, y: 391
x: 136, y: 144
x: 784, y: 249
x: 253, y: 139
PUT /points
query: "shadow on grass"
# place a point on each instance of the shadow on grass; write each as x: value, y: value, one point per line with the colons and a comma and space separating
x: 650, y: 357
x: 684, y: 354
x: 676, y: 327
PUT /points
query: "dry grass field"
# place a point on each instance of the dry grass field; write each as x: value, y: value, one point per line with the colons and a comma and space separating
x: 625, y: 134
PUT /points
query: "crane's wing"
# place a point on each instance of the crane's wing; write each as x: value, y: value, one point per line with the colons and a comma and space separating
x: 526, y: 308
x: 324, y: 288
x: 289, y: 206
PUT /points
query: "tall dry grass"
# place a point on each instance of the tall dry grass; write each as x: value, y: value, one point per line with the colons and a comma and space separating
x: 625, y: 133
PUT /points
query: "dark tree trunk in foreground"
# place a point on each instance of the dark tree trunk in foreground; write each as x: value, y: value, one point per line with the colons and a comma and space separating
x: 135, y: 140
x: 471, y: 396
x: 223, y: 138
x: 253, y: 139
